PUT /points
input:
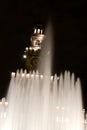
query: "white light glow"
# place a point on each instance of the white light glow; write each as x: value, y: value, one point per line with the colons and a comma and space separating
x: 30, y: 48
x: 32, y: 75
x: 38, y: 31
x: 22, y: 75
x: 27, y: 75
x: 35, y: 30
x: 51, y: 77
x: 41, y: 76
x: 26, y: 48
x: 13, y: 74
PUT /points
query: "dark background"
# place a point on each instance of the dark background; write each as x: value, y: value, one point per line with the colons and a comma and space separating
x: 69, y: 19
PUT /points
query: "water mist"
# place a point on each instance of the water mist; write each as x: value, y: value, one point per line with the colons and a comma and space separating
x: 41, y: 101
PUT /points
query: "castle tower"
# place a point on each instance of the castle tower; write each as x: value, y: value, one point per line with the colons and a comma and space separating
x: 31, y: 53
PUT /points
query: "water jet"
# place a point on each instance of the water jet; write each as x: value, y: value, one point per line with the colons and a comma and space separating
x: 38, y: 101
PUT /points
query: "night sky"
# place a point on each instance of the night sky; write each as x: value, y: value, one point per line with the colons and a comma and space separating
x: 69, y: 20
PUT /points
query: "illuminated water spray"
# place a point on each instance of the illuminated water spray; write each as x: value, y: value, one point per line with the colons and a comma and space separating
x: 43, y: 102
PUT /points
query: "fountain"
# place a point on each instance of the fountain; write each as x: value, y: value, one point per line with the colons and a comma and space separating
x: 42, y: 102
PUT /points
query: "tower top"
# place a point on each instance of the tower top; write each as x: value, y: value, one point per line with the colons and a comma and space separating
x: 37, y: 38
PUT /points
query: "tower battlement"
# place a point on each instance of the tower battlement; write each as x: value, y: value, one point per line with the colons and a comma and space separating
x: 37, y: 39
